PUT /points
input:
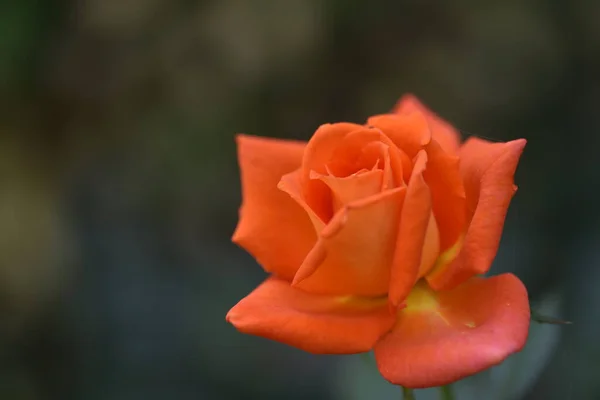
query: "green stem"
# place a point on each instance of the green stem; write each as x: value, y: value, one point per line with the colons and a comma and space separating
x: 407, y: 394
x: 447, y: 393
x: 542, y: 319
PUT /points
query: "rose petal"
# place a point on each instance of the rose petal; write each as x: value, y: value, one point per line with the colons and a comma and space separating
x: 441, y: 131
x: 431, y: 247
x: 292, y: 185
x: 442, y: 337
x: 488, y: 171
x: 314, y: 323
x: 272, y: 226
x: 354, y: 252
x: 448, y: 194
x: 414, y: 219
x: 352, y: 188
x: 410, y: 132
x: 488, y: 174
x: 318, y: 152
x: 367, y: 148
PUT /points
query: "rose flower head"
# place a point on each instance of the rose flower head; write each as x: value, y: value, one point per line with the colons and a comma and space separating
x: 375, y: 236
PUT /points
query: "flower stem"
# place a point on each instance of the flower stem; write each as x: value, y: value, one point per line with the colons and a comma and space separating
x: 447, y: 393
x: 542, y: 319
x: 407, y: 394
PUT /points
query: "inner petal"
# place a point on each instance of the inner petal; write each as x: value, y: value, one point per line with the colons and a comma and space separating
x: 317, y: 152
x: 353, y: 156
x: 351, y: 153
x: 354, y: 252
x: 380, y: 153
x: 354, y: 187
x: 370, y: 149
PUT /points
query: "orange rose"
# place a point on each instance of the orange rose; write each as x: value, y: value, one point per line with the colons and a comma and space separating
x: 374, y: 235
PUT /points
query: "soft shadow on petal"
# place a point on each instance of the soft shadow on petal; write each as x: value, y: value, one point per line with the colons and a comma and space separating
x: 314, y: 323
x: 488, y: 173
x: 354, y: 252
x: 414, y: 219
x: 444, y: 133
x: 272, y: 226
x: 442, y: 337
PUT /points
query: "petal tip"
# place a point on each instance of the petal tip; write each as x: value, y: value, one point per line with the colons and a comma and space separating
x: 235, y: 237
x: 407, y: 99
x: 231, y: 315
x: 518, y: 145
x: 242, y: 139
x: 239, y: 137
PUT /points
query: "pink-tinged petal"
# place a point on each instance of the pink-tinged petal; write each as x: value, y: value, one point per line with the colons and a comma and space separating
x: 314, y: 323
x: 354, y: 252
x: 442, y: 337
x: 488, y: 173
x: 272, y: 226
x: 442, y: 131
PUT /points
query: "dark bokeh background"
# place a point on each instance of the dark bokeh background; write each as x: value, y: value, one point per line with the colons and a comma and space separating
x: 120, y: 188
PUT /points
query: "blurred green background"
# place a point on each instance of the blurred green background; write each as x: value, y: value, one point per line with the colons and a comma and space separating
x: 120, y: 186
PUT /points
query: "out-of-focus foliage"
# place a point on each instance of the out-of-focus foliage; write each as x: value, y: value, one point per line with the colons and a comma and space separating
x: 120, y: 185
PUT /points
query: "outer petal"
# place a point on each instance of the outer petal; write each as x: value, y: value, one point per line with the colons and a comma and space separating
x: 442, y: 131
x: 488, y: 171
x: 314, y: 323
x: 272, y: 227
x: 446, y: 336
x: 354, y: 253
x: 414, y: 219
